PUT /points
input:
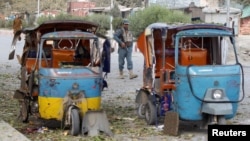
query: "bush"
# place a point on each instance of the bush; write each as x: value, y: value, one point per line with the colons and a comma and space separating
x: 102, y: 20
x: 117, y: 22
x: 2, y: 23
x: 141, y: 19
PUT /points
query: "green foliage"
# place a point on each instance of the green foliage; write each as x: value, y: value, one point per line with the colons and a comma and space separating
x: 138, y: 21
x: 43, y: 19
x: 8, y: 6
x: 61, y: 16
x: 117, y: 22
x: 6, y: 24
x: 141, y: 19
x: 102, y: 20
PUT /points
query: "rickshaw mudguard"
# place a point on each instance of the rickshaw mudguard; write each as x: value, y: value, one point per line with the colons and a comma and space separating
x: 200, y: 78
x: 56, y: 84
x: 142, y: 96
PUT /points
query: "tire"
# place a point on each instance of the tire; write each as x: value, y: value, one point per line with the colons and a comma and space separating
x: 141, y: 111
x: 150, y: 113
x: 221, y: 120
x: 213, y: 120
x: 74, y: 122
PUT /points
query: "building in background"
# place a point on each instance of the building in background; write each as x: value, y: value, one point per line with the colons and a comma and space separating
x: 245, y: 21
x: 80, y: 8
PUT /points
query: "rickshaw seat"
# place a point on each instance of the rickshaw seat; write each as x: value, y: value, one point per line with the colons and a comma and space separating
x: 59, y: 55
x: 193, y: 56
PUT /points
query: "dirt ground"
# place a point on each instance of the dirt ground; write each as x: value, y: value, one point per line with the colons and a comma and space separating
x: 118, y: 100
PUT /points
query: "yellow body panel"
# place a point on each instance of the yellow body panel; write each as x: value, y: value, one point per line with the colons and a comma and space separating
x: 52, y: 108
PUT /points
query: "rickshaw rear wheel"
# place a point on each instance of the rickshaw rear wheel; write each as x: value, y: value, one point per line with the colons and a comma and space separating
x: 150, y: 113
x: 74, y: 122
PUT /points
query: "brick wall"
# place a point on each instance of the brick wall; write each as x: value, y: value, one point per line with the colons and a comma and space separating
x: 245, y: 26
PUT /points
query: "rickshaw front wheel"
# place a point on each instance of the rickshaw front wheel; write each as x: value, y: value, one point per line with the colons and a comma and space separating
x: 213, y: 120
x: 150, y: 113
x: 222, y: 120
x: 74, y: 122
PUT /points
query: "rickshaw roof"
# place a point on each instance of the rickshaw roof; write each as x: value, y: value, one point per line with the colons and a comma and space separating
x: 204, y: 30
x: 181, y: 27
x: 69, y: 34
x: 63, y: 25
x: 203, y: 26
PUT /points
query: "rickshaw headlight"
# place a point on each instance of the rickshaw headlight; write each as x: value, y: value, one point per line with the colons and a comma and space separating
x: 217, y: 94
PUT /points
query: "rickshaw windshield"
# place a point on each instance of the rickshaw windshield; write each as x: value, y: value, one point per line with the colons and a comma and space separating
x: 209, y: 46
x: 69, y: 49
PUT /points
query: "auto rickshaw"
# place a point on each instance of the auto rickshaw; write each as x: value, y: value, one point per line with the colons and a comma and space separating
x: 187, y: 75
x: 62, y: 74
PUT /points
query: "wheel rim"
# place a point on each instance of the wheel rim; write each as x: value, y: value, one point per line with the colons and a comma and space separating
x: 141, y: 111
x: 74, y: 122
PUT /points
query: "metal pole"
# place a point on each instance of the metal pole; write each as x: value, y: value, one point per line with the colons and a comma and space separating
x: 111, y: 19
x: 228, y: 13
x: 38, y: 8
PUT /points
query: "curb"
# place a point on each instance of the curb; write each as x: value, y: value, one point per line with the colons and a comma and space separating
x: 9, y: 133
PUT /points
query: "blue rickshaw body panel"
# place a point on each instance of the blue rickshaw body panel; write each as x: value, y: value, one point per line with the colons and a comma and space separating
x: 188, y: 106
x: 57, y: 82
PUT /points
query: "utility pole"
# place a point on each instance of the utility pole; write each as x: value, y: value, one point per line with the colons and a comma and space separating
x: 38, y: 8
x: 228, y: 12
x: 111, y: 19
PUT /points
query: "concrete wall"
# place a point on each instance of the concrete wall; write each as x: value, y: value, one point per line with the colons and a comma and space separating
x: 222, y: 19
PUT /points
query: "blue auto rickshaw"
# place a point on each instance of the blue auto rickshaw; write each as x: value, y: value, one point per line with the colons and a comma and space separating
x: 188, y: 76
x: 62, y: 68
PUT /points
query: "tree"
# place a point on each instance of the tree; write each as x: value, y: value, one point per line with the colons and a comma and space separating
x: 141, y: 19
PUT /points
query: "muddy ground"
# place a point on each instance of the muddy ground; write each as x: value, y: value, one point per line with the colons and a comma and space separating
x: 118, y: 100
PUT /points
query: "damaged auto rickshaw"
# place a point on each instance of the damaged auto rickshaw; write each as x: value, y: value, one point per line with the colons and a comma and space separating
x: 62, y: 75
x: 187, y: 75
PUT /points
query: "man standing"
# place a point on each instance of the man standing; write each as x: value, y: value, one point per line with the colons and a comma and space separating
x: 17, y: 24
x: 124, y: 38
